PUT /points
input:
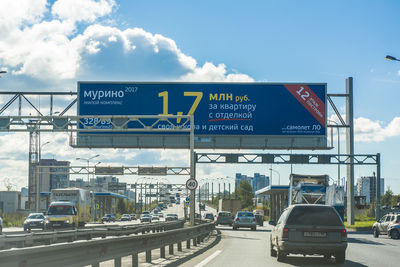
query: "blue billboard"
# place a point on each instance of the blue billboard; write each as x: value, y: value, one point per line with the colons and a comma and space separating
x: 219, y: 109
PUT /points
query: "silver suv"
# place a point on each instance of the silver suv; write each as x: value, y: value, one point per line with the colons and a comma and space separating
x: 309, y: 229
x: 388, y: 224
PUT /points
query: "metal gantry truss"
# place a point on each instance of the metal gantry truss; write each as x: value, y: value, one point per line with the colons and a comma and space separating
x: 94, y: 123
x: 263, y: 158
x: 126, y: 170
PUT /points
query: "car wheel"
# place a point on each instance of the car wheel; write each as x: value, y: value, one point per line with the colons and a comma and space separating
x: 280, y: 256
x: 253, y: 228
x: 25, y: 229
x: 272, y: 250
x: 340, y: 257
x: 234, y: 228
x: 395, y: 234
x: 376, y: 232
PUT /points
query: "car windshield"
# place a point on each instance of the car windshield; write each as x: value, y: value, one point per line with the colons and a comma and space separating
x: 308, y: 215
x: 145, y: 215
x: 245, y: 214
x: 36, y: 216
x: 60, y: 210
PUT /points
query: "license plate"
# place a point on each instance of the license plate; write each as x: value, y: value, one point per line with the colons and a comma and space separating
x: 315, y: 234
x: 56, y: 224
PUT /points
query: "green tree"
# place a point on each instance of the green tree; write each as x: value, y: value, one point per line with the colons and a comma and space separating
x: 121, y: 206
x: 245, y: 193
x: 386, y: 199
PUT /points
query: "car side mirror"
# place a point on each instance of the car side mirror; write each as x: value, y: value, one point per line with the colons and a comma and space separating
x: 273, y: 223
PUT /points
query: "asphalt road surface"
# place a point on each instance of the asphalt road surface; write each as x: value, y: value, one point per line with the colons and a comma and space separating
x: 248, y: 248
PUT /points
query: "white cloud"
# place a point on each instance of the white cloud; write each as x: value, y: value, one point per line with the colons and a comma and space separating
x: 82, y: 10
x: 367, y: 130
x: 211, y: 73
x: 15, y: 13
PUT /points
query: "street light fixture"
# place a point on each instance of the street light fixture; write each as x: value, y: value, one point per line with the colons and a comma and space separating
x: 88, y: 161
x: 391, y: 58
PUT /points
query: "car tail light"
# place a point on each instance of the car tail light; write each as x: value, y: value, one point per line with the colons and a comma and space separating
x: 285, y: 233
x: 344, y: 233
x: 237, y: 219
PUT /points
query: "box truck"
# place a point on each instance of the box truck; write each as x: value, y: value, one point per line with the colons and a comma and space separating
x: 69, y: 207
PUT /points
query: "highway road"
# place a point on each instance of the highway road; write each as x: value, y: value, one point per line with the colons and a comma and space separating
x: 176, y: 209
x: 248, y: 248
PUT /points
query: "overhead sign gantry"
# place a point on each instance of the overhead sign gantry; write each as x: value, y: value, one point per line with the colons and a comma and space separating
x: 227, y: 115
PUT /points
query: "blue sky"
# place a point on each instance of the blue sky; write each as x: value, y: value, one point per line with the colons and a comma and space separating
x: 50, y: 45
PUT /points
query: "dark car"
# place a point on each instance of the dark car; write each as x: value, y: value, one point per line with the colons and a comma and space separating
x: 209, y: 216
x: 388, y: 224
x: 224, y: 217
x: 108, y: 218
x: 259, y: 219
x: 35, y: 221
x: 133, y: 217
x: 309, y: 230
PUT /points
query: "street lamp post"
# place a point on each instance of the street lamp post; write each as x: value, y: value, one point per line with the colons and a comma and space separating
x: 279, y: 176
x: 338, y: 133
x: 88, y: 162
x: 38, y: 176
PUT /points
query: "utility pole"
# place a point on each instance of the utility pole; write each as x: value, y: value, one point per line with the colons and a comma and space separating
x: 350, y: 150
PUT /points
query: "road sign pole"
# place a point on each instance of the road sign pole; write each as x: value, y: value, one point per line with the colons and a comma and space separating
x: 192, y: 172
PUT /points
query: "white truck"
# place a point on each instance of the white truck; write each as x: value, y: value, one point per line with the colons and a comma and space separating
x: 69, y: 207
x: 308, y: 189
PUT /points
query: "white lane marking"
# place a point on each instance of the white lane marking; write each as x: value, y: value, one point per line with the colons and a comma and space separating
x: 208, y: 259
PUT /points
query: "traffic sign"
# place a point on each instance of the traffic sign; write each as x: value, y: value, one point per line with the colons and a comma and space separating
x: 187, y: 204
x: 187, y: 199
x: 191, y: 184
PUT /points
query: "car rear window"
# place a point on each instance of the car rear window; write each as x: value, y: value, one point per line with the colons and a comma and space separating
x: 224, y: 214
x: 245, y: 214
x: 308, y: 215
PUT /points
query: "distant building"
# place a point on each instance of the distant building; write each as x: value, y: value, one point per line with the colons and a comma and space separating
x: 366, y: 186
x: 257, y: 182
x: 24, y: 198
x: 101, y: 184
x: 10, y: 201
x: 54, y: 176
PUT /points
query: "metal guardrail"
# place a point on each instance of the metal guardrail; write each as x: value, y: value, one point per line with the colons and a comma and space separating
x: 93, y: 252
x: 103, y: 231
